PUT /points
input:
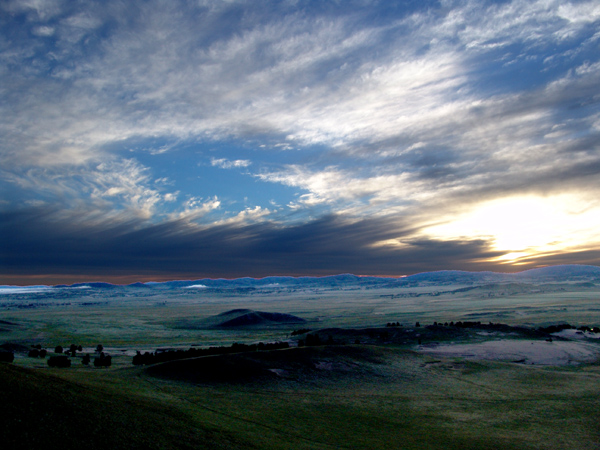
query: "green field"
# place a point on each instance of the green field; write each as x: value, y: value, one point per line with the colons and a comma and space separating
x: 378, y: 394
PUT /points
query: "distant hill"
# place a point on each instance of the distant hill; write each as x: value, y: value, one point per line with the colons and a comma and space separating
x: 564, y: 272
x: 242, y: 318
x: 246, y: 317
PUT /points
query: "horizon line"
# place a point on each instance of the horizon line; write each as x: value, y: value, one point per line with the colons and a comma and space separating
x: 148, y: 279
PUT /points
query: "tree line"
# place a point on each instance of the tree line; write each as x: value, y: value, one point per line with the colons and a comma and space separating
x: 148, y: 358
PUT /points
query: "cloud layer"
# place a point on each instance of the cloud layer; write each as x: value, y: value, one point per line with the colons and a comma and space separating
x: 400, y: 125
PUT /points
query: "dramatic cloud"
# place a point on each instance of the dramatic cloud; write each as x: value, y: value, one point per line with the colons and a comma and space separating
x: 418, y: 128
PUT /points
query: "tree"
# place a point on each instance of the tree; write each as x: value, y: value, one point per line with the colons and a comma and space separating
x: 7, y: 356
x: 86, y: 359
x: 59, y: 361
x: 103, y: 360
x: 99, y: 348
x: 58, y: 349
x: 312, y: 339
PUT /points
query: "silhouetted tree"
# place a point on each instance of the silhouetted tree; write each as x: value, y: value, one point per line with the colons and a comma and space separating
x: 86, y: 359
x: 59, y: 361
x: 58, y: 349
x: 99, y: 348
x: 103, y: 360
x: 7, y: 356
x: 312, y: 339
x: 138, y: 359
x: 417, y: 325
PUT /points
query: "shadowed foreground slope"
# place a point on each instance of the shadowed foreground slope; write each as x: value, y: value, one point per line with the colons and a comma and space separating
x: 40, y: 410
x: 325, y: 397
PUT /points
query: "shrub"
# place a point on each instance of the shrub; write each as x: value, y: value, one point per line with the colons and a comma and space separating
x: 59, y: 361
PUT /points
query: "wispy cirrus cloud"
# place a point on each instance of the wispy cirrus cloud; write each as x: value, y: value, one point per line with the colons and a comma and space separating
x: 224, y: 163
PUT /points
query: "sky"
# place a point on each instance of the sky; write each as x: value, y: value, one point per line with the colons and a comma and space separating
x: 158, y: 140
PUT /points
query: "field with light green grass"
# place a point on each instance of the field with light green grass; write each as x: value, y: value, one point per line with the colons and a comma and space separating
x: 367, y: 385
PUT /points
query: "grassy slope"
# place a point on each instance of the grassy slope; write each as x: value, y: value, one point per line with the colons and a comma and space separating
x: 358, y: 397
x: 41, y: 410
x: 394, y: 399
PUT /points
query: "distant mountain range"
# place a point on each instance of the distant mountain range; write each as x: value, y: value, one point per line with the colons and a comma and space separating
x: 552, y: 274
x: 563, y: 273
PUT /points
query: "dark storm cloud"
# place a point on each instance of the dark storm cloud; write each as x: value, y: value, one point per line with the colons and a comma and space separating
x: 328, y: 245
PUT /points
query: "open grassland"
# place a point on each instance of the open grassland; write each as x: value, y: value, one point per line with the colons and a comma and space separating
x: 166, y: 319
x: 383, y: 393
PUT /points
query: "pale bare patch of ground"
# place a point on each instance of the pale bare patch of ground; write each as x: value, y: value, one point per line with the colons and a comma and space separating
x: 556, y: 353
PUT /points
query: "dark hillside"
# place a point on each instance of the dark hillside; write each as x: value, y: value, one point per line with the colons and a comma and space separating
x: 242, y: 318
x: 260, y: 318
x: 298, y: 364
x: 42, y: 411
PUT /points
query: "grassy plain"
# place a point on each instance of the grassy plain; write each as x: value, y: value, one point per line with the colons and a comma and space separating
x: 376, y: 395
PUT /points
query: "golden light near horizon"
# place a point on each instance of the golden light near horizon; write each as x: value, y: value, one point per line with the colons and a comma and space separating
x: 523, y: 226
